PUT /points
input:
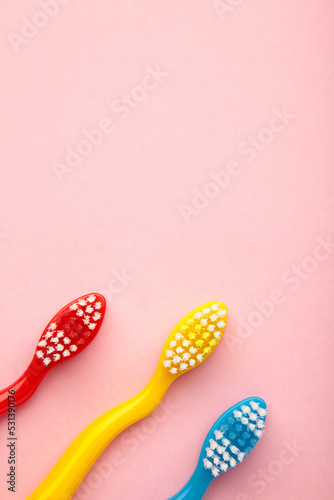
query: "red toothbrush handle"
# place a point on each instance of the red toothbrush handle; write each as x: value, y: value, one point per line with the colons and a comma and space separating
x: 24, y: 387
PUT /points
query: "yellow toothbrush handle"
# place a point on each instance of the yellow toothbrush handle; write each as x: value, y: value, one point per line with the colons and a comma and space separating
x: 70, y: 470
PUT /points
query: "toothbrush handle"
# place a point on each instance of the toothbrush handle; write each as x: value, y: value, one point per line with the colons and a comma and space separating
x: 24, y: 388
x: 196, y: 487
x: 70, y: 470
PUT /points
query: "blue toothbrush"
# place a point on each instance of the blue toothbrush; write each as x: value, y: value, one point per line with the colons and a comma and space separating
x: 231, y: 438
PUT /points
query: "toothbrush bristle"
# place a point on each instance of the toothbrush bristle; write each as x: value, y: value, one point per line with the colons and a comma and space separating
x: 234, y: 437
x: 71, y: 330
x: 194, y: 338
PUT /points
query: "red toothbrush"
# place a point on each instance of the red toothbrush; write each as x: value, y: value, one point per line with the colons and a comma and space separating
x: 69, y: 332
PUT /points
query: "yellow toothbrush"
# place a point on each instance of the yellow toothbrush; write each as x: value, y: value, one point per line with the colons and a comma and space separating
x: 193, y: 339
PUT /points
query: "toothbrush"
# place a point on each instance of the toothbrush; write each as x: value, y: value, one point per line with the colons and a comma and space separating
x: 69, y: 332
x: 231, y: 438
x: 193, y: 339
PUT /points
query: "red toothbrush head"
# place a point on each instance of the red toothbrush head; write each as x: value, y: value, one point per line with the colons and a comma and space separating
x: 70, y: 331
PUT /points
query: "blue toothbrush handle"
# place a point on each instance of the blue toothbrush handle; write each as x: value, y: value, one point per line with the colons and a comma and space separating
x: 196, y: 486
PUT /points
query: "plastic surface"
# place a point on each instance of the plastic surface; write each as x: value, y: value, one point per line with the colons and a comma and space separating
x: 201, y: 479
x: 65, y: 477
x: 69, y: 332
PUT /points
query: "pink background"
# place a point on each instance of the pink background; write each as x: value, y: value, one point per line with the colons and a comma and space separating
x: 121, y: 209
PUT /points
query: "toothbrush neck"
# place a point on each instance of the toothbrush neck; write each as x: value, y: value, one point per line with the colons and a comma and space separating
x: 150, y: 396
x: 196, y: 487
x: 17, y: 393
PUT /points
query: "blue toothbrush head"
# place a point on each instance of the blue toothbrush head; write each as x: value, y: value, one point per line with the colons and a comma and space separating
x: 233, y: 436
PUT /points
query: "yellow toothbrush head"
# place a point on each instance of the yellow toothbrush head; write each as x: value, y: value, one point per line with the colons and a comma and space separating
x: 194, y: 338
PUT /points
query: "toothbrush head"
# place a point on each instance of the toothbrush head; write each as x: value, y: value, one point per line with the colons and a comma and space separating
x: 194, y: 338
x: 70, y: 331
x: 233, y: 436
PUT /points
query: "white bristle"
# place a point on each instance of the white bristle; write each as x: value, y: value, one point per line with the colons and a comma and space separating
x: 55, y: 340
x: 214, y: 307
x: 211, y: 328
x: 60, y: 334
x: 237, y: 414
x: 207, y: 463
x: 186, y: 343
x: 226, y: 442
x: 82, y: 302
x: 241, y: 456
x: 258, y: 433
x: 197, y: 315
x: 260, y: 424
x: 193, y: 350
x: 262, y: 412
x: 66, y: 353
x: 92, y: 326
x: 192, y: 362
x: 218, y: 434
x: 215, y: 471
x: 172, y: 343
x: 166, y: 363
x: 66, y: 340
x: 234, y: 449
x: 216, y: 460
x: 47, y: 361
x: 176, y: 360
x: 89, y: 309
x: 53, y: 326
x: 56, y: 357
x: 60, y: 347
x: 96, y: 316
x: 252, y: 416
x: 42, y: 343
x: 80, y: 313
x: 98, y: 305
x: 214, y: 317
x: 204, y: 321
x: 233, y: 462
x: 91, y: 298
x: 213, y: 444
x: 223, y: 466
x: 50, y: 350
x: 206, y: 311
x: 218, y: 335
x: 221, y: 324
x: 73, y: 348
x: 221, y: 312
x: 183, y: 366
x: 173, y: 371
x: 179, y: 350
x: 169, y: 353
x: 209, y: 452
x: 245, y: 409
x: 178, y: 336
x: 48, y: 335
x: 73, y: 307
x: 185, y: 356
x: 220, y: 449
x: 251, y: 427
x: 39, y: 354
x: 226, y: 456
x: 254, y: 405
x: 199, y: 357
x: 244, y: 420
